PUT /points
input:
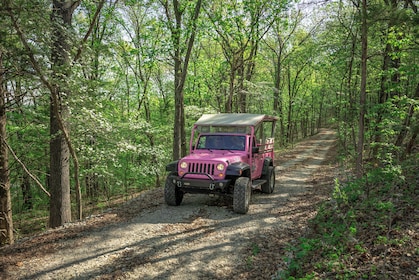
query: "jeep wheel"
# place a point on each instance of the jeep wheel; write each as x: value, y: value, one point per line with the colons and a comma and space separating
x: 241, y: 195
x: 172, y: 195
x: 269, y: 186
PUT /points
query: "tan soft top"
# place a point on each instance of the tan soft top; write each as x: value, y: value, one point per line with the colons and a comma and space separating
x: 238, y: 119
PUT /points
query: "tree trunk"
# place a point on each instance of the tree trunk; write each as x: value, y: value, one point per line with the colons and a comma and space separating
x: 179, y: 112
x: 59, y: 179
x: 277, y: 104
x: 412, y: 142
x: 363, y: 89
x: 241, y: 91
x: 382, y: 98
x: 180, y: 69
x: 25, y: 186
x: 232, y: 77
x: 6, y: 220
x: 407, y: 120
x: 289, y: 112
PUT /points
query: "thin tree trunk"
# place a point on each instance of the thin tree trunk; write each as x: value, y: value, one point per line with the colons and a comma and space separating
x: 25, y: 186
x: 382, y: 98
x: 412, y: 141
x: 241, y: 92
x: 407, y: 121
x: 6, y: 220
x: 180, y: 69
x: 232, y: 77
x: 277, y: 104
x: 363, y: 89
x: 289, y: 113
x: 179, y: 113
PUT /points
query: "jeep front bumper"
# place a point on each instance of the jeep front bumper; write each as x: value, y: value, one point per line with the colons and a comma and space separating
x: 190, y: 185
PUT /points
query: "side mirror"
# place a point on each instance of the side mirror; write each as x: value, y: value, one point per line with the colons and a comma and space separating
x: 255, y: 150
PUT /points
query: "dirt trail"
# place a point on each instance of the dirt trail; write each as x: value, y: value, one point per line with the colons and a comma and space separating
x: 200, y: 239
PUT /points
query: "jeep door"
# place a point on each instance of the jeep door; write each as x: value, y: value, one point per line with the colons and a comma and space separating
x: 257, y: 160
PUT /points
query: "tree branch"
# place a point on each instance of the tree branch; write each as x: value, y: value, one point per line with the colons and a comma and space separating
x: 87, y: 35
x: 24, y: 167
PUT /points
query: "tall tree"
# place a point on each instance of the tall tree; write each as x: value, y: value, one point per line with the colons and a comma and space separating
x: 363, y: 88
x: 181, y: 53
x: 6, y: 220
x: 59, y: 180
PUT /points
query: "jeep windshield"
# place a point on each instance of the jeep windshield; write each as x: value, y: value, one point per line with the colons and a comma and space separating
x: 221, y: 142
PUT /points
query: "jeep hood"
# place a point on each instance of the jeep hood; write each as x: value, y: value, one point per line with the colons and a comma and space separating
x: 216, y: 156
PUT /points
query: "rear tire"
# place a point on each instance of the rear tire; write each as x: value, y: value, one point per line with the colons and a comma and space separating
x: 241, y: 195
x: 269, y: 186
x: 172, y: 195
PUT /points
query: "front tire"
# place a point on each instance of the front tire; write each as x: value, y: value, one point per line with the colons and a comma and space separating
x: 269, y: 186
x: 241, y: 195
x: 172, y: 195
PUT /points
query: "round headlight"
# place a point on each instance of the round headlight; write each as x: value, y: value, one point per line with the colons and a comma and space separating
x: 183, y: 165
x: 220, y: 167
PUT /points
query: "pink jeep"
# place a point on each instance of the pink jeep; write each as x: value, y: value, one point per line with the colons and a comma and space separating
x: 229, y: 154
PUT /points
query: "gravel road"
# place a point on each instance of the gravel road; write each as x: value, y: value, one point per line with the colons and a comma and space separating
x: 200, y: 239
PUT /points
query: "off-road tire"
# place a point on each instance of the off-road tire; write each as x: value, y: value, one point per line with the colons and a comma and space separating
x: 269, y: 186
x: 172, y: 195
x: 241, y: 195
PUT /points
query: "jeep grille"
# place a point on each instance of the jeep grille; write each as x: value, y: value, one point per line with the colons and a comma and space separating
x: 196, y: 167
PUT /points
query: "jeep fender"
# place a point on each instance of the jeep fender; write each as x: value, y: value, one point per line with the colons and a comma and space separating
x: 238, y: 169
x: 266, y: 163
x: 172, y: 167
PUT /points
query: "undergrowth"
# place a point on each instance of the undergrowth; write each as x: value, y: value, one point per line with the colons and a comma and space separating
x: 367, y: 230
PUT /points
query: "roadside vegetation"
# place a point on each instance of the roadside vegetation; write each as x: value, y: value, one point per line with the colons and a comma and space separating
x: 97, y: 96
x: 368, y: 229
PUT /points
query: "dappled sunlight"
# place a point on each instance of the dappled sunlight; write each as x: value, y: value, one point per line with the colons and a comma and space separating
x: 201, y: 238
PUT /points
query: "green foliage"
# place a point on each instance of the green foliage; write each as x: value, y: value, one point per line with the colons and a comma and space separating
x: 360, y: 218
x: 255, y: 251
x: 339, y: 194
x: 258, y: 53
